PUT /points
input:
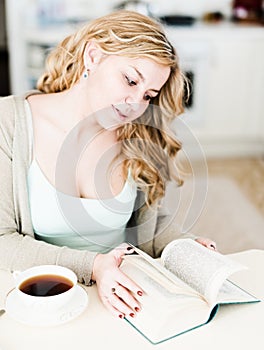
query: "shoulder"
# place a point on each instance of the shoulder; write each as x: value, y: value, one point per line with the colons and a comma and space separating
x: 12, y: 117
x: 10, y: 107
x: 7, y: 115
x: 7, y: 105
x: 13, y: 104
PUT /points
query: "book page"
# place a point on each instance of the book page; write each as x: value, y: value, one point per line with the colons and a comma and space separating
x: 147, y: 260
x: 199, y: 267
x: 231, y: 293
x: 168, y: 308
x: 155, y: 280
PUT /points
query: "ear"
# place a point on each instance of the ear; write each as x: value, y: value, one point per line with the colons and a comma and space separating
x: 92, y: 55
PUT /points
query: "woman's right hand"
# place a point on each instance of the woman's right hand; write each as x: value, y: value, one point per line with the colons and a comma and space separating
x: 117, y: 291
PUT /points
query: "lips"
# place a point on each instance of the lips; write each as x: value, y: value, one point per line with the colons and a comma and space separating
x: 120, y: 115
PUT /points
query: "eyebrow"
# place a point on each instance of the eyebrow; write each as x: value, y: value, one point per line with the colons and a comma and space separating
x: 142, y: 78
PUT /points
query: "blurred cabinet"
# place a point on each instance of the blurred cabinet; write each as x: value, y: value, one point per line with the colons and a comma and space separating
x: 230, y: 90
x: 235, y: 97
x: 236, y: 89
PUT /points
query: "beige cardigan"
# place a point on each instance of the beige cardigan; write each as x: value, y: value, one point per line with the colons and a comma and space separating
x: 18, y: 248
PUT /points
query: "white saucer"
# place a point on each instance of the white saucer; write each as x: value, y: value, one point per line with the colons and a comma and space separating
x: 23, y: 314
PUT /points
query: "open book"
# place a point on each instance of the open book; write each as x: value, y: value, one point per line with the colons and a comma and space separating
x: 183, y: 289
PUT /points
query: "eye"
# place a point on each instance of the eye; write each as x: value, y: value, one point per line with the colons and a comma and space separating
x: 130, y: 82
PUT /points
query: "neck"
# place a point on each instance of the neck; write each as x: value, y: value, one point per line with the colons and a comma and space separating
x: 75, y: 107
x: 66, y: 110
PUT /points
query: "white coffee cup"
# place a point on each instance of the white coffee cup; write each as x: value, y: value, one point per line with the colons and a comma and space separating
x: 45, y: 287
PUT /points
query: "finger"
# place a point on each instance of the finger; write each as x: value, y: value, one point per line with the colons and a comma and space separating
x: 213, y: 246
x: 121, y: 250
x: 124, y: 248
x: 210, y: 245
x: 126, y: 282
x: 115, y: 312
x: 121, y: 306
x: 128, y: 298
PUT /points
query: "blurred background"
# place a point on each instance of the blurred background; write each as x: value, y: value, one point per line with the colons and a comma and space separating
x: 220, y: 44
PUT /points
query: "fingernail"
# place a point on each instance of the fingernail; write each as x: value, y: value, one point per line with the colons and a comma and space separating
x: 121, y: 316
x: 132, y: 315
x: 139, y: 293
x: 137, y: 309
x: 129, y: 248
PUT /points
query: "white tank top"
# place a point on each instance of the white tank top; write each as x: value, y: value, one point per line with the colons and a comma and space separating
x: 81, y: 223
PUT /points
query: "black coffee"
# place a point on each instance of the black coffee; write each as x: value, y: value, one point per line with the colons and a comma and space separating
x: 45, y: 285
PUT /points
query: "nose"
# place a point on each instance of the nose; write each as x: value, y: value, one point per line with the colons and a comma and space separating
x: 136, y: 103
x: 131, y: 103
x: 134, y: 109
x: 132, y: 106
x: 137, y: 97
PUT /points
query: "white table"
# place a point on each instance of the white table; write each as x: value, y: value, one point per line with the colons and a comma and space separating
x: 234, y: 327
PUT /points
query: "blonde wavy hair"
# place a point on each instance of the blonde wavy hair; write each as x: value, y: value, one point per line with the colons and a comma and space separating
x: 148, y: 144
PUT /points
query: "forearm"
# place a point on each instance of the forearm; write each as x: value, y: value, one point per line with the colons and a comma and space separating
x: 18, y: 252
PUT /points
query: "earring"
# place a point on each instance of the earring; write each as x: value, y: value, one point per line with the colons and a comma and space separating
x: 86, y: 73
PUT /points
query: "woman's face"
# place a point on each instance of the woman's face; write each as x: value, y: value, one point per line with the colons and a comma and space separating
x: 124, y: 86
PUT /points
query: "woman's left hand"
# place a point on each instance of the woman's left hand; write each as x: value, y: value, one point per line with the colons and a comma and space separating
x: 116, y: 290
x: 206, y: 242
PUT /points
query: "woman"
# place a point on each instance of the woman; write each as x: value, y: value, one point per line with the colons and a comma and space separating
x: 74, y: 154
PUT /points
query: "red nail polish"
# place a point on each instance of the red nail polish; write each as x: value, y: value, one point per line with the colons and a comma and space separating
x: 121, y: 316
x: 137, y: 309
x: 140, y: 293
x: 132, y: 315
